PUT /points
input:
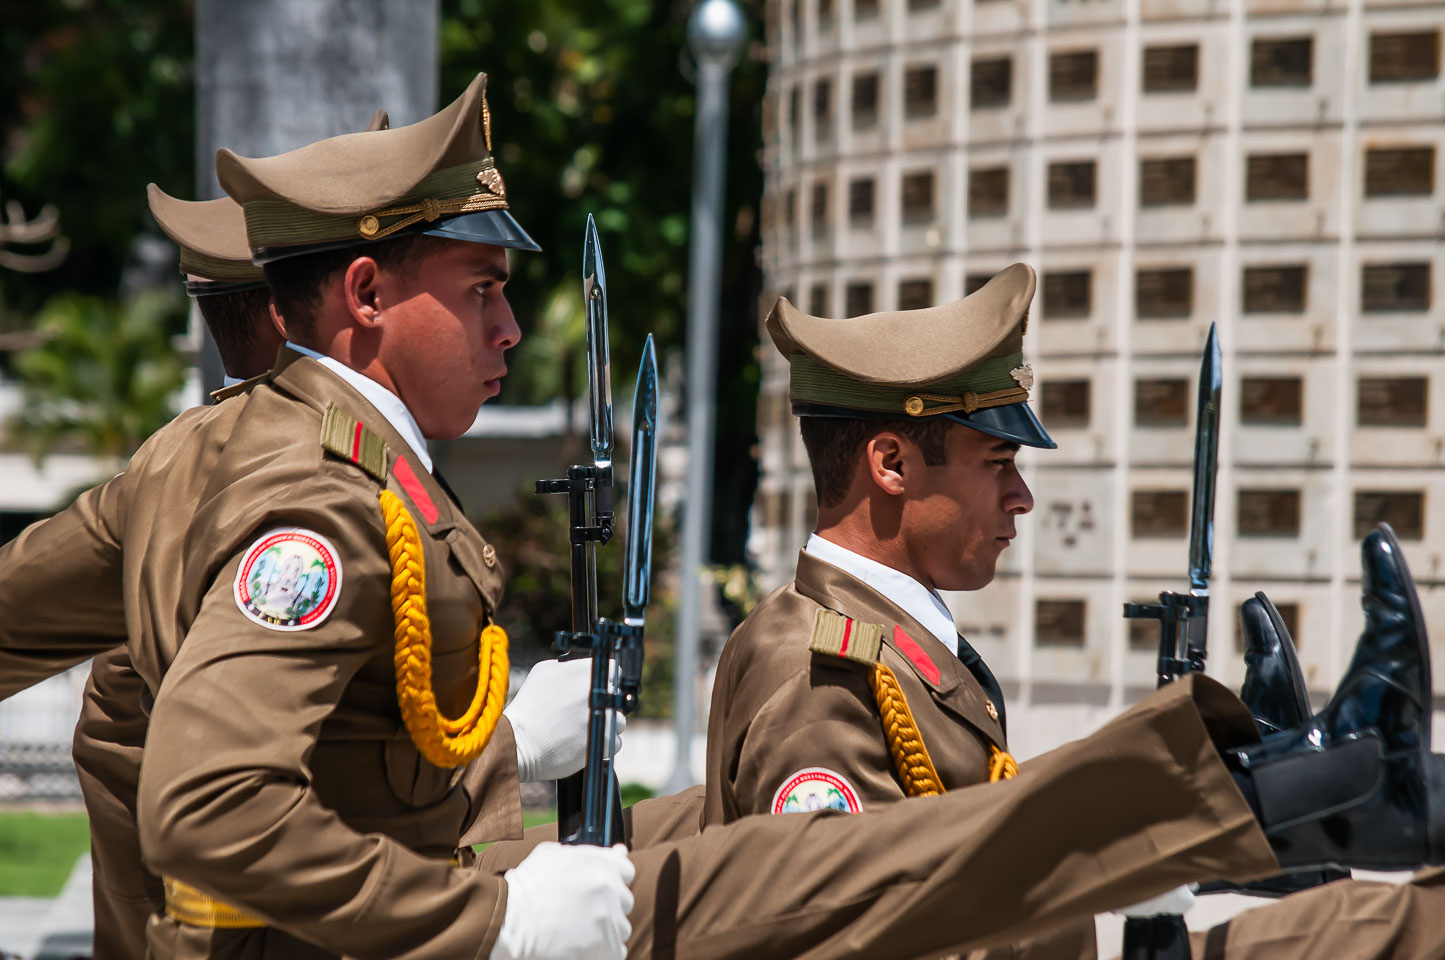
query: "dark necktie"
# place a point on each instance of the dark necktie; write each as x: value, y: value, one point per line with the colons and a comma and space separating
x: 985, y: 679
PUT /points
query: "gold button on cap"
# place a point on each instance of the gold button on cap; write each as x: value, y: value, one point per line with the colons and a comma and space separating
x: 992, y: 710
x: 489, y: 555
x: 368, y: 226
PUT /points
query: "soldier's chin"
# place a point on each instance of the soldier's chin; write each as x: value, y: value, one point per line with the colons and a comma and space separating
x: 974, y: 576
x: 452, y: 424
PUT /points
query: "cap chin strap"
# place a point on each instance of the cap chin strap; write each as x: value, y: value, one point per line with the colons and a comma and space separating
x: 929, y: 404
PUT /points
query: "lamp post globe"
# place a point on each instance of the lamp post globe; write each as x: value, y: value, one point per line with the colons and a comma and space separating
x: 715, y: 32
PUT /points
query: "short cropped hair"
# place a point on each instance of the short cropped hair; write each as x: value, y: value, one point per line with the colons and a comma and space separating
x: 296, y: 282
x: 232, y: 319
x: 835, y: 443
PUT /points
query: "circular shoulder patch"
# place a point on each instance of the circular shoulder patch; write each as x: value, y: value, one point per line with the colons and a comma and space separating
x: 289, y: 579
x: 816, y: 788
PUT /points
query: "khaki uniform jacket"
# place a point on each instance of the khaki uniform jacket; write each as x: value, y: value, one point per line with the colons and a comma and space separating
x: 778, y: 709
x: 277, y: 775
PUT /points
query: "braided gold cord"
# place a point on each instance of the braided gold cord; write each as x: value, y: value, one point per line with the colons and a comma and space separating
x: 443, y: 742
x: 1001, y: 765
x: 910, y: 755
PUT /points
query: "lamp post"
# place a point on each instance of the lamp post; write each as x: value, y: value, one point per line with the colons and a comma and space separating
x: 715, y: 33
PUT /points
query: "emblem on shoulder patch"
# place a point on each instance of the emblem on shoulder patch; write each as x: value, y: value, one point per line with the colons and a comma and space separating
x: 289, y: 579
x: 816, y: 788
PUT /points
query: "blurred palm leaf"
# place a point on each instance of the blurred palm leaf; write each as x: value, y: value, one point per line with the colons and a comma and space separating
x: 105, y: 377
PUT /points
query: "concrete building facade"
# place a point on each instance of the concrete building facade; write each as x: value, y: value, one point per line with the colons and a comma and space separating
x: 1271, y: 165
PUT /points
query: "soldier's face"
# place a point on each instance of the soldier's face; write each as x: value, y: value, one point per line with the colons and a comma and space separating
x: 959, y: 515
x: 449, y: 326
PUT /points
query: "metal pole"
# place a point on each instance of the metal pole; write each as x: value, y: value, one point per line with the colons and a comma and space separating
x: 715, y: 34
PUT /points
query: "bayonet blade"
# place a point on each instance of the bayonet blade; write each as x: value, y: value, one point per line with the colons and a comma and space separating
x: 1206, y: 463
x: 599, y: 376
x: 641, y: 487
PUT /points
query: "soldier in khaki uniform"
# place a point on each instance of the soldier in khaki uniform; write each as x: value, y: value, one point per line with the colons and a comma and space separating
x: 235, y: 303
x: 850, y: 687
x: 317, y: 697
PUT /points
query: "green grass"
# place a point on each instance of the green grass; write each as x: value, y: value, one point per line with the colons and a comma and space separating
x: 535, y: 818
x: 38, y: 851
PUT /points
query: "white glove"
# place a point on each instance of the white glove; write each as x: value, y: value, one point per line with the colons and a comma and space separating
x: 549, y: 720
x: 567, y: 902
x: 1179, y: 900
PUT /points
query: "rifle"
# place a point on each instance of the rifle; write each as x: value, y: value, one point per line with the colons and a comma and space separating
x: 1184, y: 623
x: 584, y: 813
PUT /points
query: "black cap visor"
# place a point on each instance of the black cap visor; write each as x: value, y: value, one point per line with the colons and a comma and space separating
x: 496, y: 227
x: 1015, y: 422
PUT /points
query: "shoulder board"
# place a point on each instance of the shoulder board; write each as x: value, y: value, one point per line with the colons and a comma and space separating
x: 236, y: 389
x: 346, y: 437
x: 839, y: 636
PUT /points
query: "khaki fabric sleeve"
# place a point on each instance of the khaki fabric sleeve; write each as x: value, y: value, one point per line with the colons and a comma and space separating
x: 977, y: 867
x: 60, y: 588
x: 822, y: 717
x: 226, y: 799
x: 494, y: 790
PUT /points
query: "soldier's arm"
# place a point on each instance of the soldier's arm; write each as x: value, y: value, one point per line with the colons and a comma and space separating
x: 60, y: 590
x: 817, y: 740
x: 493, y: 791
x: 226, y: 800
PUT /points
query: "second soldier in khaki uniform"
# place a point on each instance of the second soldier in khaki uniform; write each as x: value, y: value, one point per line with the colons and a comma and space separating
x: 850, y: 687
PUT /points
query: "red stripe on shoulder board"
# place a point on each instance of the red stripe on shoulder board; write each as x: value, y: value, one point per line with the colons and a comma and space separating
x: 910, y: 649
x: 847, y: 634
x: 356, y: 443
x: 407, y: 478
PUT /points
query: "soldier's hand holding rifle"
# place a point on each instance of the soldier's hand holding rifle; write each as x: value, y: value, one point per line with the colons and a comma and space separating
x: 549, y: 720
x: 567, y: 902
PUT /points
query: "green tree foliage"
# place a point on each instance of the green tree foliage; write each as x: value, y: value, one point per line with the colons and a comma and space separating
x: 105, y: 377
x: 96, y: 101
x: 592, y: 111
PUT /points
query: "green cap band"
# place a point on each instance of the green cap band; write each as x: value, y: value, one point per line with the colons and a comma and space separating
x: 218, y: 268
x: 276, y: 223
x: 815, y: 383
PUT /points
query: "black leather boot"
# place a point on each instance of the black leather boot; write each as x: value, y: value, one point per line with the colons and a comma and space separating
x: 1274, y: 691
x: 1274, y: 685
x: 1356, y: 785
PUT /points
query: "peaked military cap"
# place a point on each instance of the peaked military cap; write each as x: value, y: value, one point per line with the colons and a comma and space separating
x: 962, y: 361
x: 211, y: 234
x: 437, y: 176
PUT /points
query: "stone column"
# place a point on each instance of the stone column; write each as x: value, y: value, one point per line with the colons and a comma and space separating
x: 273, y: 75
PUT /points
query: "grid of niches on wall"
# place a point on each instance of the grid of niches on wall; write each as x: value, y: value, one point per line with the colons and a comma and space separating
x: 913, y: 148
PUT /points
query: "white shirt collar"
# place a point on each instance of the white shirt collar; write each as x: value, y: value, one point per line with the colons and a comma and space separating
x: 388, y: 404
x: 919, y: 602
x: 229, y: 381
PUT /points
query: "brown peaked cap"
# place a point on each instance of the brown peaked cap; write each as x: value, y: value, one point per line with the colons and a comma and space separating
x: 212, y: 228
x: 212, y: 233
x: 360, y: 172
x: 962, y: 361
x: 913, y: 347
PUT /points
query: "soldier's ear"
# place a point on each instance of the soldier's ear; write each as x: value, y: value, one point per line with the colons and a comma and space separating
x: 278, y: 321
x: 884, y: 459
x: 360, y: 290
